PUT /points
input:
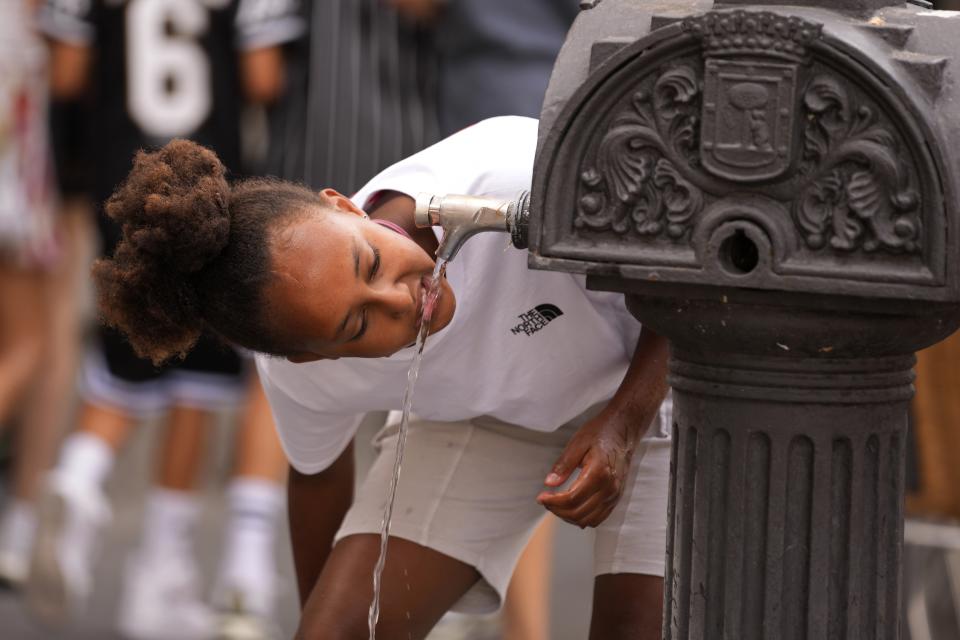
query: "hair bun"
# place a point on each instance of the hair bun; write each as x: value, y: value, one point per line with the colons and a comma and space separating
x: 174, y: 213
x: 174, y: 206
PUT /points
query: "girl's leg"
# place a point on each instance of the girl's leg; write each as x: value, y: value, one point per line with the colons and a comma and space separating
x: 627, y: 606
x: 526, y: 611
x: 419, y: 586
x: 465, y: 493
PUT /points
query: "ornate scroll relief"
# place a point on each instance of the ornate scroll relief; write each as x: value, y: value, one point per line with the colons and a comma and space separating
x: 634, y: 184
x: 754, y: 111
x: 858, y: 192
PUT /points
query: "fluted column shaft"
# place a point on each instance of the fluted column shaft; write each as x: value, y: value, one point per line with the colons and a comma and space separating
x: 786, y: 510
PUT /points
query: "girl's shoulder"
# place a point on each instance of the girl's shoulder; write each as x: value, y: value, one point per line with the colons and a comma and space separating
x: 491, y: 157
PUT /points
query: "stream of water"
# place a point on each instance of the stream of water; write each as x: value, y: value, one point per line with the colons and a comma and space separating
x: 430, y: 300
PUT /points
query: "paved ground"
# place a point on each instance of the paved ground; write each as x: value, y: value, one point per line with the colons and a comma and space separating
x: 571, y: 581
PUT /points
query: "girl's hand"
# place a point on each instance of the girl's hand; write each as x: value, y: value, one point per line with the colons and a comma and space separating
x: 602, y: 450
x: 603, y: 447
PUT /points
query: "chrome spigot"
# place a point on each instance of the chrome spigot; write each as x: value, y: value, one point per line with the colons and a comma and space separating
x: 464, y: 216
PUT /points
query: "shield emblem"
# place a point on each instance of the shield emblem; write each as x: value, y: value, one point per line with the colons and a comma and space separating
x: 748, y: 118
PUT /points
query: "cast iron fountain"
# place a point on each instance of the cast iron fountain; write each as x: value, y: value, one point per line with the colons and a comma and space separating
x: 774, y: 188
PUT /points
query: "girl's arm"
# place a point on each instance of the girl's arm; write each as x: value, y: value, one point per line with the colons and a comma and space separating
x: 316, y: 505
x: 602, y: 448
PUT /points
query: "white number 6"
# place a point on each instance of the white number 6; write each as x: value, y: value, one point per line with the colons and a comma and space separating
x: 168, y: 74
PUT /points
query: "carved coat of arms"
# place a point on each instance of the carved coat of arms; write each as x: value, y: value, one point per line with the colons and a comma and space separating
x: 751, y: 76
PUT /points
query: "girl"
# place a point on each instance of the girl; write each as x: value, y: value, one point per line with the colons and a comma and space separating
x: 527, y: 377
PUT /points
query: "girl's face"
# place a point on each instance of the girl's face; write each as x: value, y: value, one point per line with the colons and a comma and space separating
x: 347, y: 287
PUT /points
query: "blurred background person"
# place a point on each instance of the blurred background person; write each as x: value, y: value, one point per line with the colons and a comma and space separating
x: 494, y: 57
x: 152, y: 70
x: 246, y: 586
x: 29, y: 266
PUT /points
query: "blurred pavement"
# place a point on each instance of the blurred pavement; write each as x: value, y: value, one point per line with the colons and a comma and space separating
x: 572, y: 577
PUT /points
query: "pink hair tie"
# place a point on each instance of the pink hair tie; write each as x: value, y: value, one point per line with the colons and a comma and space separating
x: 393, y: 227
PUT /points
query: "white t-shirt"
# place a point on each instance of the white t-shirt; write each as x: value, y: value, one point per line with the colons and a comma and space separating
x: 532, y: 348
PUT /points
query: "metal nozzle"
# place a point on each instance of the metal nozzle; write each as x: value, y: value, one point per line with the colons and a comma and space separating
x: 464, y: 216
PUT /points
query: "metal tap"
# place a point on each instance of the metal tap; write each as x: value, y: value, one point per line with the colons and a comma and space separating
x: 464, y: 216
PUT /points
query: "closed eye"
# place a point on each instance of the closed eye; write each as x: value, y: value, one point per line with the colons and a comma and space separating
x: 363, y: 326
x: 375, y: 266
x: 374, y: 269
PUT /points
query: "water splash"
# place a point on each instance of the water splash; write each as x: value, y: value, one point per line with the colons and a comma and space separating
x: 430, y: 297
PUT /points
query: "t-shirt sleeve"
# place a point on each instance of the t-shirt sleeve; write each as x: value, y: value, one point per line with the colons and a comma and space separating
x: 312, y: 440
x: 69, y: 21
x: 268, y: 23
x: 476, y: 161
x: 614, y: 306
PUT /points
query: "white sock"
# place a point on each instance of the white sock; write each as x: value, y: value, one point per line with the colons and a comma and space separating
x: 86, y: 458
x: 168, y: 523
x: 17, y: 528
x: 248, y: 558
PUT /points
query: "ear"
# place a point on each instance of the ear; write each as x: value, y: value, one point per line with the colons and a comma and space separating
x: 341, y: 202
x: 307, y: 356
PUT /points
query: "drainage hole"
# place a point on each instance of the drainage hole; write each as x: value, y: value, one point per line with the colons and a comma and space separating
x: 739, y: 254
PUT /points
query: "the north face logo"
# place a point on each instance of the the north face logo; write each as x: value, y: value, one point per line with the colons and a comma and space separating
x: 536, y: 319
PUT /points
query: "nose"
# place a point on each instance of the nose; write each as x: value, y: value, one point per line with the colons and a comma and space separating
x: 395, y: 299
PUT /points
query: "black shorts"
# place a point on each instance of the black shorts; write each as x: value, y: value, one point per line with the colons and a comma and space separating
x: 212, y: 377
x: 71, y: 142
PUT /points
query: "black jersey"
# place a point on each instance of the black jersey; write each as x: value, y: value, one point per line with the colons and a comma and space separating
x: 165, y: 69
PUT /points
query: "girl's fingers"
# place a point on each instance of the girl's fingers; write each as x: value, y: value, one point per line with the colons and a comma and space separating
x: 600, y: 515
x: 595, y: 481
x: 582, y: 513
x: 569, y: 460
x: 583, y: 487
x: 591, y: 515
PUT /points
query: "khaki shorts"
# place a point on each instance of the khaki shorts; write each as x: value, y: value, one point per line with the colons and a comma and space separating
x: 468, y: 490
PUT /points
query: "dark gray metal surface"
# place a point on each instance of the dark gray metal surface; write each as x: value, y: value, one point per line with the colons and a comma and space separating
x: 849, y: 200
x: 787, y: 502
x: 775, y: 189
x: 855, y: 6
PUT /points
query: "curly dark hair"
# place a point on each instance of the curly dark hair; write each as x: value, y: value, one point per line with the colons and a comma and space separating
x: 194, y: 254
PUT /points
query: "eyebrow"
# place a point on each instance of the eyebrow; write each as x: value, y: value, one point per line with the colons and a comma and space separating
x: 356, y: 257
x: 376, y: 255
